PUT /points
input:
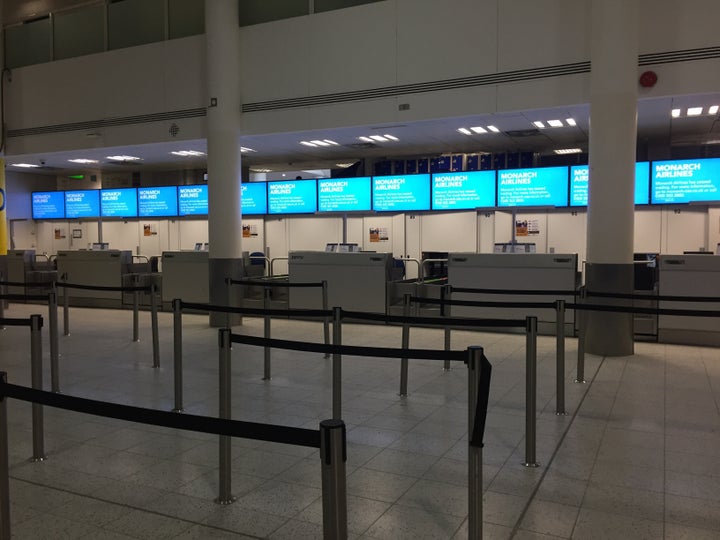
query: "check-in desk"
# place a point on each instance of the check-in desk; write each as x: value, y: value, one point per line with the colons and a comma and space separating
x: 689, y: 275
x: 514, y: 271
x: 16, y: 265
x: 102, y: 268
x: 356, y: 281
x: 185, y: 275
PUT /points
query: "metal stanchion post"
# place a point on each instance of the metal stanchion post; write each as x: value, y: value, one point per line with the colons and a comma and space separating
x: 445, y: 293
x: 4, y: 467
x: 66, y: 309
x: 54, y: 352
x: 560, y: 357
x: 267, y: 369
x: 2, y: 302
x: 177, y: 354
x: 225, y: 496
x: 136, y: 309
x: 581, y: 341
x: 530, y: 390
x: 405, y: 345
x: 337, y: 365
x: 154, y: 324
x: 36, y: 377
x: 228, y: 315
x: 333, y: 454
x: 326, y: 320
x: 475, y: 484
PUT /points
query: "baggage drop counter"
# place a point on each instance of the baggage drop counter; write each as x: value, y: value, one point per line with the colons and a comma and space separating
x: 515, y: 272
x: 103, y: 268
x: 356, y: 281
x: 185, y: 274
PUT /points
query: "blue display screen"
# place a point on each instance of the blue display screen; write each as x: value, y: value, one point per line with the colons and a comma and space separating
x: 82, y: 204
x: 344, y: 194
x: 685, y: 181
x: 533, y: 187
x: 579, y: 184
x: 292, y: 197
x: 193, y: 200
x: 253, y: 199
x: 118, y: 202
x: 400, y: 193
x: 157, y: 201
x: 48, y: 205
x: 463, y: 190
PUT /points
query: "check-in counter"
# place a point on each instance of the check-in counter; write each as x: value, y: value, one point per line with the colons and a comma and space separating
x: 356, y: 281
x: 102, y: 268
x: 17, y: 264
x: 185, y: 274
x: 517, y: 272
x: 689, y: 275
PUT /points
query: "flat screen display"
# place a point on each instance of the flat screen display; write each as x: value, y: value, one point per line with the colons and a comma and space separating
x: 118, y: 202
x: 401, y: 193
x: 157, y: 201
x: 253, y: 199
x: 547, y: 186
x: 82, y: 204
x: 685, y: 181
x: 48, y: 205
x: 579, y: 184
x: 463, y: 190
x: 344, y: 194
x: 292, y: 197
x: 193, y: 200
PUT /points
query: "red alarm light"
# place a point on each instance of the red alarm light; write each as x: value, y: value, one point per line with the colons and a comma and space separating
x: 648, y: 79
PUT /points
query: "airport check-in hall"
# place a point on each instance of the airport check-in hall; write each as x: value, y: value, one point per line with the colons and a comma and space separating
x: 365, y: 269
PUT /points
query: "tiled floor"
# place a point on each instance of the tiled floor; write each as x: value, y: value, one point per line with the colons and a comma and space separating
x: 635, y: 458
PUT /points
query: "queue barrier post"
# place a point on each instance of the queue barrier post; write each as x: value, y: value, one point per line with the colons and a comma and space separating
x: 445, y: 293
x: 136, y: 309
x: 479, y: 371
x: 4, y: 466
x: 154, y: 325
x: 2, y: 302
x: 228, y: 296
x: 405, y: 345
x: 326, y: 320
x: 580, y: 378
x: 36, y: 377
x: 54, y: 346
x: 225, y: 482
x: 267, y: 367
x: 530, y: 391
x: 560, y: 357
x: 333, y: 455
x: 177, y: 355
x: 66, y: 308
x: 337, y: 365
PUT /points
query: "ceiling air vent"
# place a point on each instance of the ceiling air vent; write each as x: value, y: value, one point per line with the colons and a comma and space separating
x: 362, y: 146
x: 522, y: 133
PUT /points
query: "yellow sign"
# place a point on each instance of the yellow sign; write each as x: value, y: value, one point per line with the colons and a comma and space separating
x: 3, y: 214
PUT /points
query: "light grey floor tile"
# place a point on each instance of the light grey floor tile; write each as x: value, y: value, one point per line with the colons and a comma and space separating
x: 679, y: 532
x: 147, y: 525
x: 502, y: 509
x: 245, y: 521
x: 550, y: 518
x: 362, y: 513
x: 401, y: 523
x: 692, y: 512
x: 592, y: 525
x: 437, y: 497
x: 280, y: 498
x: 199, y: 532
x: 626, y: 501
x: 405, y: 463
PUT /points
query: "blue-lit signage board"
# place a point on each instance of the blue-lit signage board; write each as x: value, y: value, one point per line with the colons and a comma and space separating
x: 193, y: 200
x: 579, y: 184
x: 157, y: 201
x: 253, y: 199
x: 463, y: 190
x: 533, y: 187
x: 82, y: 204
x: 48, y: 205
x: 344, y: 194
x: 401, y: 193
x: 292, y: 197
x: 685, y: 181
x: 118, y: 202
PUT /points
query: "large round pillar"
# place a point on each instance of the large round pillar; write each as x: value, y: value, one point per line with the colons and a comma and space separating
x: 223, y: 143
x: 613, y: 135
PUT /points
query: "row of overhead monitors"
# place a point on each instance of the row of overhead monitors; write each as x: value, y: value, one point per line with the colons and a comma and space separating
x: 659, y: 182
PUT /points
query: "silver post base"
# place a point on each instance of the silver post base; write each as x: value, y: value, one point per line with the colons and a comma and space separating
x: 561, y: 413
x: 37, y: 459
x: 530, y: 465
x: 177, y: 410
x: 578, y: 381
x: 225, y: 502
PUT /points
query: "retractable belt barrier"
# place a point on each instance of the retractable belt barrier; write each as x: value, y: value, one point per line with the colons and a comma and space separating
x: 479, y: 303
x: 470, y: 290
x: 660, y: 298
x: 31, y: 285
x: 261, y: 283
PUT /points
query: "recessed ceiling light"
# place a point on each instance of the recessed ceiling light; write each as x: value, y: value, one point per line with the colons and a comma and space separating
x: 571, y: 122
x: 391, y: 137
x: 188, y: 153
x: 478, y: 129
x: 246, y: 149
x: 123, y: 158
x: 331, y: 142
x: 318, y: 142
x: 713, y: 109
x: 25, y: 165
x: 378, y: 138
x: 344, y: 165
x: 307, y: 143
x: 539, y: 124
x: 83, y: 161
x: 261, y: 170
x: 466, y: 131
x: 366, y: 139
x: 493, y: 129
x: 568, y: 151
x: 694, y: 111
x: 675, y: 113
x: 555, y: 123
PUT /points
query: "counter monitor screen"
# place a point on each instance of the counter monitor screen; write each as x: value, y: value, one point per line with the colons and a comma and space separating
x: 579, y: 184
x: 292, y: 197
x: 401, y: 193
x: 48, y: 205
x: 546, y: 186
x: 253, y: 199
x: 193, y: 200
x: 82, y: 204
x: 463, y: 190
x: 344, y: 194
x: 158, y: 201
x: 120, y: 202
x: 685, y: 181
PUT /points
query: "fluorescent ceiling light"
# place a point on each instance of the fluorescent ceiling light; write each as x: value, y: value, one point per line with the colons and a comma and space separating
x: 246, y: 149
x: 123, y: 158
x: 479, y: 129
x: 83, y: 161
x: 319, y: 142
x: 378, y: 138
x: 571, y: 122
x: 261, y: 170
x: 713, y: 109
x: 568, y: 151
x: 555, y: 123
x: 366, y: 139
x: 493, y: 129
x: 25, y: 165
x: 344, y: 165
x: 694, y: 111
x: 466, y: 131
x: 188, y: 153
x: 539, y: 124
x: 675, y: 113
x: 306, y: 143
x: 391, y: 137
x: 331, y: 142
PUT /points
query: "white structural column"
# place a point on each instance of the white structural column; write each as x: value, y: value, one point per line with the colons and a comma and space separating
x: 613, y: 135
x: 223, y: 142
